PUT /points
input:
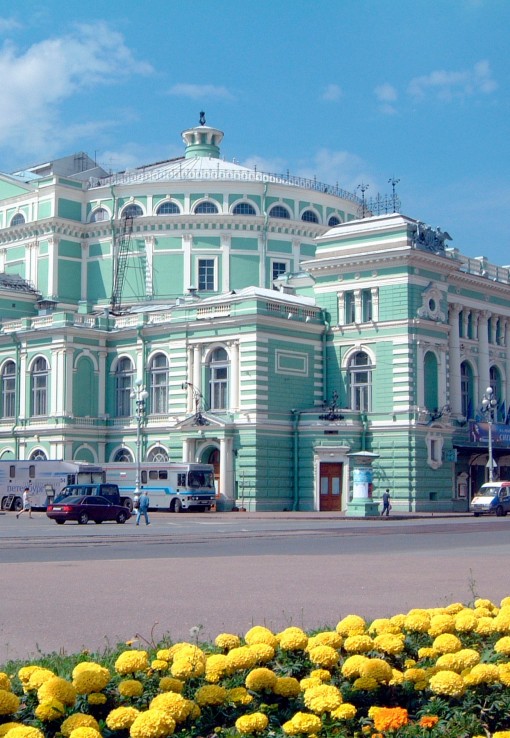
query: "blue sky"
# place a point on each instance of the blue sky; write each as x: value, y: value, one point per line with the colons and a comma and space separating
x: 349, y: 91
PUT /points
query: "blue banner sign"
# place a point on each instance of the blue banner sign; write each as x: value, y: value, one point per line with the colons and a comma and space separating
x: 479, y: 433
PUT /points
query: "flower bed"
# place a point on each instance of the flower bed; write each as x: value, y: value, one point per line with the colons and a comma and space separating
x: 429, y: 672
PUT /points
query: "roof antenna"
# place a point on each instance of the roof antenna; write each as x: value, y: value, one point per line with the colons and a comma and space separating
x: 202, y: 118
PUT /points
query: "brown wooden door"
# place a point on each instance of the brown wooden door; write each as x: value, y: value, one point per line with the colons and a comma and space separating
x: 330, y: 486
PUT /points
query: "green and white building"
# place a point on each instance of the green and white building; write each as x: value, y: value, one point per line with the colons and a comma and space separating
x: 279, y: 336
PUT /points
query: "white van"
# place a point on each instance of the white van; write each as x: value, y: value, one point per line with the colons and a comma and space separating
x: 493, y: 498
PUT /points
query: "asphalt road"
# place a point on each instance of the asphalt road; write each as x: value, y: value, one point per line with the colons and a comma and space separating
x: 71, y: 587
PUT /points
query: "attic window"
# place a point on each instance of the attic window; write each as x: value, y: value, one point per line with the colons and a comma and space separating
x: 18, y: 219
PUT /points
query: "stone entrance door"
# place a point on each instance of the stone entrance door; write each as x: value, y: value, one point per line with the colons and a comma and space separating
x: 330, y: 487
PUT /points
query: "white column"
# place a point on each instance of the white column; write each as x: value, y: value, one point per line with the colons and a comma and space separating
x: 341, y: 308
x: 150, y: 242
x: 234, y: 375
x: 186, y: 450
x: 101, y: 387
x: 66, y: 392
x: 358, y: 310
x: 225, y: 263
x: 187, y: 240
x: 57, y: 381
x: 226, y: 469
x: 375, y: 303
x: 197, y: 367
x: 53, y: 242
x: 24, y: 383
x: 483, y: 354
x: 84, y: 270
x: 454, y: 350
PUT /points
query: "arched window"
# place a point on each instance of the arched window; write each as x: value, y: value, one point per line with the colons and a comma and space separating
x: 158, y: 453
x: 9, y: 389
x: 158, y: 384
x: 99, y: 215
x: 310, y: 217
x: 244, y: 208
x: 278, y: 211
x: 168, y: 208
x: 218, y: 379
x: 206, y: 207
x: 39, y: 380
x: 132, y: 211
x: 430, y: 375
x: 123, y: 387
x: 466, y: 390
x: 334, y: 221
x: 19, y: 219
x: 38, y: 455
x: 123, y: 455
x: 360, y: 382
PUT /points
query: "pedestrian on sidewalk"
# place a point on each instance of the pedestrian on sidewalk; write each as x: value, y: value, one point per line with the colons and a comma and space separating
x: 143, y: 508
x: 27, y: 505
x: 386, y: 506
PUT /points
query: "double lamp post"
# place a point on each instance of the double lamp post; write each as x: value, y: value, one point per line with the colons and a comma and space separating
x: 489, y: 405
x: 139, y: 394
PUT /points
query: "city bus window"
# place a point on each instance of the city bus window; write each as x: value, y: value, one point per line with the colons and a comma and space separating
x: 12, y: 470
x: 31, y: 471
x: 153, y: 474
x: 181, y: 480
x: 144, y: 476
x: 163, y: 474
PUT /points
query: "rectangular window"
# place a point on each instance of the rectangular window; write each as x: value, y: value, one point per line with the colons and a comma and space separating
x: 181, y: 480
x: 366, y: 306
x: 206, y: 275
x: 277, y: 268
x: 350, y: 308
x: 433, y: 450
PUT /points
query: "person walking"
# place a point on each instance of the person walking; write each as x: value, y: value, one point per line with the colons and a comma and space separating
x: 143, y: 508
x: 27, y: 505
x: 386, y: 507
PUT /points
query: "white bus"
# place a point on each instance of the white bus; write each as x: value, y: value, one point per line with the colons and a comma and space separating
x: 173, y: 486
x: 44, y: 479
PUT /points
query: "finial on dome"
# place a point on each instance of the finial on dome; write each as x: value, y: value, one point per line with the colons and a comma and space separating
x: 202, y: 118
x: 202, y: 140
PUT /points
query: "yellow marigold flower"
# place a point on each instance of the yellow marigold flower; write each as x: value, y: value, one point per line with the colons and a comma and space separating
x: 351, y: 625
x: 85, y: 733
x: 366, y: 684
x: 24, y: 731
x: 323, y: 674
x: 485, y: 626
x: 448, y: 683
x: 210, y: 694
x: 351, y: 668
x: 344, y: 712
x: 397, y: 677
x: 216, y: 667
x: 78, y: 720
x: 263, y: 651
x: 287, y: 687
x: 164, y: 654
x: 227, y: 641
x: 377, y: 669
x: 309, y: 682
x: 326, y: 638
x: 6, y: 727
x: 175, y: 704
x: 90, y: 677
x: 501, y: 734
x: 122, y: 718
x: 427, y: 653
x: 159, y: 665
x: 241, y: 658
x: 187, y: 650
x: 398, y: 620
x: 49, y: 710
x: 260, y: 634
x: 417, y: 621
x: 292, y: 639
x: 482, y: 674
x: 504, y: 674
x: 502, y: 621
x: 454, y: 608
x: 260, y: 679
x: 384, y: 625
x: 468, y: 657
x: 5, y: 682
x: 58, y: 688
x: 170, y: 684
x: 441, y: 624
x: 505, y: 602
x: 130, y: 662
x: 152, y: 724
x: 428, y: 721
x: 38, y: 677
x: 484, y: 603
x: 130, y: 688
x: 239, y: 696
x: 358, y: 644
x: 9, y: 702
x: 302, y: 722
x: 449, y: 662
x: 254, y: 723
x: 389, y: 718
x: 391, y: 643
x: 324, y: 656
x: 323, y: 698
x: 465, y: 621
x: 447, y: 643
x: 96, y: 698
x: 187, y: 667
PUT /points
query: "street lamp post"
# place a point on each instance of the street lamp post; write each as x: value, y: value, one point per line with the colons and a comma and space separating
x: 489, y: 405
x: 139, y: 394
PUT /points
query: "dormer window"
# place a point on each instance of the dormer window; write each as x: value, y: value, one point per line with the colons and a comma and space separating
x: 19, y: 219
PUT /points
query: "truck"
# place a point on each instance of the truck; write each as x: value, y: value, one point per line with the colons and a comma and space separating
x: 493, y: 498
x: 172, y: 486
x: 44, y: 479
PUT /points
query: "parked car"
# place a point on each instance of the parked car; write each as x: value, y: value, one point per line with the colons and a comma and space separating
x: 86, y: 507
x: 493, y: 498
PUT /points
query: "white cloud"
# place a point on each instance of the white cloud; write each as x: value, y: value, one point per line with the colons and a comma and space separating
x: 8, y: 24
x: 272, y: 166
x: 448, y: 85
x: 196, y: 92
x: 386, y: 94
x: 338, y: 167
x: 332, y: 93
x: 38, y: 80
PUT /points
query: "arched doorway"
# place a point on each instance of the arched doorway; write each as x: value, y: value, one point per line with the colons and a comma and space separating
x: 212, y: 456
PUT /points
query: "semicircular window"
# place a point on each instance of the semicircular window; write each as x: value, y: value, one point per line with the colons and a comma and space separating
x: 123, y: 455
x: 278, y: 211
x: 18, y: 219
x: 99, y: 215
x: 334, y: 221
x: 244, y: 208
x: 168, y: 208
x: 310, y: 217
x: 132, y: 211
x: 206, y: 207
